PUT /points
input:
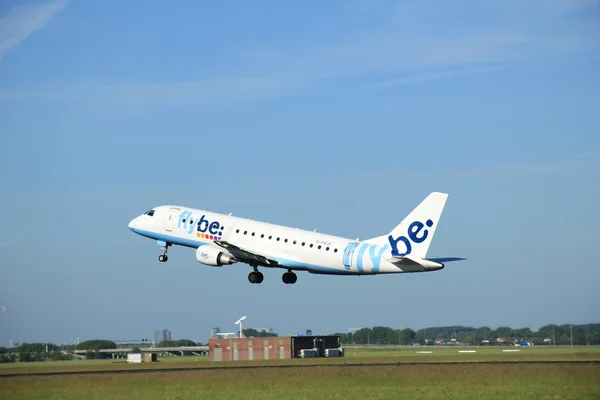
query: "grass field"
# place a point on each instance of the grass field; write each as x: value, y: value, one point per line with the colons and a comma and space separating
x: 500, y: 381
x: 476, y: 381
x: 352, y: 356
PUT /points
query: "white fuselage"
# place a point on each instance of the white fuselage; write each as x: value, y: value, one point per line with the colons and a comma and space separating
x: 292, y: 248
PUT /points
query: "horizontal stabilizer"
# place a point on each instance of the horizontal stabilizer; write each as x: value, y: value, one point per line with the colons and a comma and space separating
x: 447, y: 259
x: 403, y: 260
x: 411, y: 262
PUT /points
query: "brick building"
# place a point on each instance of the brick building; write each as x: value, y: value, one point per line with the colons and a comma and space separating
x: 273, y: 348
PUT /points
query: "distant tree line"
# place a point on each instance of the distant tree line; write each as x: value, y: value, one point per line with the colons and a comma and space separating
x: 379, y: 335
x: 29, y: 352
x: 7, y: 356
x: 177, y: 343
x: 251, y: 332
x: 93, y: 347
x: 584, y: 334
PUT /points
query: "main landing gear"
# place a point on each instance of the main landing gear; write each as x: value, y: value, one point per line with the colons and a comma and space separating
x: 255, y: 276
x: 163, y: 257
x: 289, y: 277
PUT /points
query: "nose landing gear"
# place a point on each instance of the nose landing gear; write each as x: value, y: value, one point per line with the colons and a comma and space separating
x: 163, y: 257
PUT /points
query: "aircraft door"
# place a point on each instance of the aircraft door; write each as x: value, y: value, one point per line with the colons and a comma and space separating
x: 348, y: 254
x: 170, y: 218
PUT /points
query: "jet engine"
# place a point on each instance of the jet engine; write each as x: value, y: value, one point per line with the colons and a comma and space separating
x: 213, y: 256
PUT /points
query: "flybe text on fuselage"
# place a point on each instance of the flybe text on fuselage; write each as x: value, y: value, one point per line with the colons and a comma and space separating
x: 363, y: 265
x: 376, y: 252
x: 203, y: 226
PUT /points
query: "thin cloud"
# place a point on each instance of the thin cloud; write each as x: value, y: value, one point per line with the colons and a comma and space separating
x: 587, y: 154
x: 22, y: 21
x: 440, y: 75
x: 196, y: 92
x: 395, y: 51
x: 9, y: 242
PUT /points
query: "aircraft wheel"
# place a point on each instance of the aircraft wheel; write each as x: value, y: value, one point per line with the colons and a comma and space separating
x: 255, y: 277
x: 289, y: 278
x: 252, y: 278
x: 163, y: 258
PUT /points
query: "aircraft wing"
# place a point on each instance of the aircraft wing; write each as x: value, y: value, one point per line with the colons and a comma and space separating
x: 246, y: 255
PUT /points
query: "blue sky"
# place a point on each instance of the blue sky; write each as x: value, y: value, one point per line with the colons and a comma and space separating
x: 340, y: 116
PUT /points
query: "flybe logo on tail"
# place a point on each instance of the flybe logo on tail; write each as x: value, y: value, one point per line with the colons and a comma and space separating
x: 204, y: 228
x: 415, y: 233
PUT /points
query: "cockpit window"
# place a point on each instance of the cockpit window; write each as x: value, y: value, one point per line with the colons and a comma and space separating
x: 150, y: 213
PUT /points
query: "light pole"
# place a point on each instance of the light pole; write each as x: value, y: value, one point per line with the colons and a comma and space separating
x: 239, y: 322
x: 588, y: 335
x: 571, y: 326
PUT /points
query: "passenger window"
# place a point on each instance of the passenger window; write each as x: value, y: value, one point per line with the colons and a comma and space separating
x: 327, y: 249
x: 236, y: 231
x: 270, y: 237
x: 335, y: 250
x: 252, y: 233
x: 262, y: 235
x: 245, y: 232
x: 303, y: 243
x: 285, y: 240
x: 311, y: 245
x: 319, y: 247
x: 294, y: 242
x: 278, y: 239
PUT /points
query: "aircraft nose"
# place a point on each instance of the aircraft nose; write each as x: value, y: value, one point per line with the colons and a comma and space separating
x: 132, y: 223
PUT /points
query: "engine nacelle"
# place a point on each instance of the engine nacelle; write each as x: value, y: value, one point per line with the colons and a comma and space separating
x: 213, y: 256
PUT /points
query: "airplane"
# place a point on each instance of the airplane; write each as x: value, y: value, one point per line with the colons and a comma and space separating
x: 221, y: 239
